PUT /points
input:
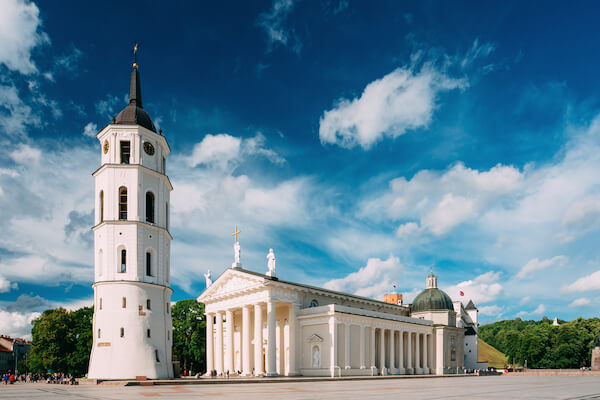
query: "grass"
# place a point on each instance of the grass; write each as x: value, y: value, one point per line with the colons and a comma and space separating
x: 488, y: 353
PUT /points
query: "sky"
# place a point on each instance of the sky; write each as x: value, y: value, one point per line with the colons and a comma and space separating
x: 367, y: 143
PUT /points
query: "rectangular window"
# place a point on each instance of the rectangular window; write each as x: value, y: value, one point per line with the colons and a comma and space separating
x: 149, y: 264
x: 148, y: 304
x: 164, y: 165
x: 123, y: 260
x: 99, y: 336
x: 124, y: 305
x: 148, y: 332
x: 101, y: 303
x: 156, y: 355
x: 125, y: 152
x: 167, y: 307
x: 122, y: 332
x: 168, y: 335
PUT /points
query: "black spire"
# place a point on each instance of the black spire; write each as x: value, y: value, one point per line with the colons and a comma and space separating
x: 470, y: 306
x: 135, y: 89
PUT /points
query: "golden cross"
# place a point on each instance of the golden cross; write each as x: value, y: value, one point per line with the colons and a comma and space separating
x: 135, y: 49
x: 236, y: 233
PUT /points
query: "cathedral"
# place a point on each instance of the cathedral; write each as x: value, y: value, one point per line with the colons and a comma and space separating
x: 260, y: 325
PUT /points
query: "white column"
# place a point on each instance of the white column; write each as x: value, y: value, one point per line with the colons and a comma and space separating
x: 293, y: 370
x: 347, y: 346
x: 372, y: 353
x: 409, y: 364
x: 382, y: 351
x: 362, y: 347
x: 401, y: 353
x: 271, y: 339
x: 333, y: 350
x: 425, y: 354
x: 246, y: 341
x: 219, y: 344
x: 229, y: 341
x: 209, y: 343
x: 392, y: 353
x: 258, y: 341
x: 418, y: 369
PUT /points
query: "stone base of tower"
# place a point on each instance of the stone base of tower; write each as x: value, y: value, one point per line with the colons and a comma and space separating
x: 130, y: 339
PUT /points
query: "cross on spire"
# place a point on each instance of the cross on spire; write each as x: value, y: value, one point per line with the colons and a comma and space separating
x: 136, y: 45
x: 236, y: 233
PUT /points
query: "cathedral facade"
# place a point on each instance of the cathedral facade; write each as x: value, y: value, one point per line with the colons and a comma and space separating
x: 260, y: 325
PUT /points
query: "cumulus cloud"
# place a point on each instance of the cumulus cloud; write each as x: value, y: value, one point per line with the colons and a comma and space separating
x: 90, y: 130
x: 15, y: 115
x: 20, y: 33
x: 541, y: 309
x: 537, y: 265
x: 223, y: 151
x: 406, y: 230
x: 493, y: 310
x: 107, y: 107
x: 373, y: 280
x: 402, y: 100
x: 482, y: 289
x: 6, y: 285
x: 580, y: 302
x: 17, y: 324
x: 585, y: 284
x: 525, y: 300
x: 28, y: 303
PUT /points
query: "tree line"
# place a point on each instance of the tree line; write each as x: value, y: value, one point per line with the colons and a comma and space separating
x: 539, y: 344
x: 62, y: 340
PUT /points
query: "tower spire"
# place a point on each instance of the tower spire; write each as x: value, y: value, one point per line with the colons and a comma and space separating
x: 135, y: 89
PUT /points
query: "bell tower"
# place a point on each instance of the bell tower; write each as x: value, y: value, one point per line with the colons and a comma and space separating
x: 132, y: 324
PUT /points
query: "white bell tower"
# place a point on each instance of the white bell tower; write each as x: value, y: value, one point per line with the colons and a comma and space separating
x: 133, y: 332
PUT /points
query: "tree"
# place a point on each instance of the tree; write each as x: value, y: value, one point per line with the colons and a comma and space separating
x: 189, y: 334
x: 62, y: 341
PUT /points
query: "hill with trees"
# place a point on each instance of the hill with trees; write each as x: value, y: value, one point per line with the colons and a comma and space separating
x: 539, y: 344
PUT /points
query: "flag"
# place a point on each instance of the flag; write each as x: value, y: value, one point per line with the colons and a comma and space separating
x: 462, y: 293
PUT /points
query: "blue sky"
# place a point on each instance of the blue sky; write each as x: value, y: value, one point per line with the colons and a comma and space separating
x: 365, y: 143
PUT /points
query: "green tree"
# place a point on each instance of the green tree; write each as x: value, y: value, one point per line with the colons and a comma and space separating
x: 81, y: 333
x: 189, y: 335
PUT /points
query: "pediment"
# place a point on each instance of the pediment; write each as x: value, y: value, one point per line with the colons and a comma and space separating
x: 229, y: 283
x: 314, y: 338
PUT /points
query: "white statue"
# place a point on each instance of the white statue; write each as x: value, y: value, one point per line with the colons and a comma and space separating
x: 271, y: 263
x: 237, y: 251
x: 208, y: 278
x: 316, y: 357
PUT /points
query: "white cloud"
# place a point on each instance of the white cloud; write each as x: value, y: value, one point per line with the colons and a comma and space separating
x: 493, y: 310
x: 482, y: 289
x: 585, y: 284
x: 15, y: 115
x: 537, y: 265
x: 20, y: 33
x: 26, y: 155
x: 226, y: 151
x: 580, y: 302
x: 90, y: 130
x: 107, y: 107
x: 373, y: 280
x: 273, y: 23
x: 541, y: 309
x: 407, y: 229
x: 403, y: 100
x: 6, y: 285
x: 525, y: 300
x: 16, y: 324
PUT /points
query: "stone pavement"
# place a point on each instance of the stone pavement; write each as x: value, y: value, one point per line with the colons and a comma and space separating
x: 492, y: 387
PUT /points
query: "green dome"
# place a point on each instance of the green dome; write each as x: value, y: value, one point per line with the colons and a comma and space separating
x: 432, y: 299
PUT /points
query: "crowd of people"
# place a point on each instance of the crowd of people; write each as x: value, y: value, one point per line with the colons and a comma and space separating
x: 57, y: 377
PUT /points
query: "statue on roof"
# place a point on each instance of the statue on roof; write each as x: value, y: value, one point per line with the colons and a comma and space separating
x: 271, y: 263
x: 208, y: 279
x: 237, y: 251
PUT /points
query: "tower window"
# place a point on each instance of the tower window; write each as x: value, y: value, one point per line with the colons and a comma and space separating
x: 124, y: 302
x: 164, y: 165
x: 99, y: 335
x: 123, y: 260
x: 122, y: 202
x: 101, y: 206
x: 125, y: 152
x: 148, y: 332
x: 148, y: 305
x: 100, y: 303
x: 167, y: 307
x: 168, y: 334
x: 167, y: 216
x: 156, y: 355
x: 150, y: 207
x: 149, y: 264
x: 122, y: 332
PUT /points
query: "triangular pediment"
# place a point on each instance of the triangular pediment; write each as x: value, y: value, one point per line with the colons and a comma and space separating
x: 230, y: 282
x: 314, y: 338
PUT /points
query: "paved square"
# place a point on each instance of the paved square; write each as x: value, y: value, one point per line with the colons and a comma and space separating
x: 500, y: 387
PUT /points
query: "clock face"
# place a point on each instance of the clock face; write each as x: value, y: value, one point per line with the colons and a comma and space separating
x: 105, y: 147
x: 148, y: 148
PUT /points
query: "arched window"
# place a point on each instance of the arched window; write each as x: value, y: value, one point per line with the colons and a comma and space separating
x: 123, y: 260
x: 150, y: 207
x: 148, y: 304
x: 122, y: 202
x: 101, y: 303
x: 101, y: 206
x: 124, y: 303
x: 122, y: 332
x: 149, y: 264
x: 148, y: 333
x: 156, y: 355
x: 99, y: 333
